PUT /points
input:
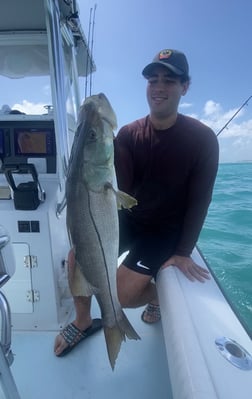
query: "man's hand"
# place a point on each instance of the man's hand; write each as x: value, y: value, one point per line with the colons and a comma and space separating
x: 187, y: 266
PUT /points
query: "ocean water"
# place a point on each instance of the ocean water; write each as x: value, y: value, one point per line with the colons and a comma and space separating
x: 226, y: 237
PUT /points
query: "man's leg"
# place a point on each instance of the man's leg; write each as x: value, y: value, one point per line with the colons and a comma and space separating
x: 135, y: 289
x: 82, y: 321
x: 82, y: 304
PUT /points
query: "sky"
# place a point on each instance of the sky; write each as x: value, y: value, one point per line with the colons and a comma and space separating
x: 216, y: 38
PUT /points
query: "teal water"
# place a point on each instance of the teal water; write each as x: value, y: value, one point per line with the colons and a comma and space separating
x: 226, y: 237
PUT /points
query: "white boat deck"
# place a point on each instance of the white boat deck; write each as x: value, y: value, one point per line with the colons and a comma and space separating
x: 183, y: 364
x: 141, y: 369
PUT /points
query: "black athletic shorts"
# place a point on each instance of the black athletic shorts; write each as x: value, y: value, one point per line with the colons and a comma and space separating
x: 148, y: 248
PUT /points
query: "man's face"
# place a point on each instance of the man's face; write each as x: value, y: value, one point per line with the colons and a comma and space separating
x: 164, y: 91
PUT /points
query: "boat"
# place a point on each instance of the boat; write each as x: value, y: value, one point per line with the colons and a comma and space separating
x: 200, y: 350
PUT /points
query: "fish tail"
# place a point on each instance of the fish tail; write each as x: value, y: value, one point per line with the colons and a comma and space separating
x: 115, y: 335
x: 126, y: 326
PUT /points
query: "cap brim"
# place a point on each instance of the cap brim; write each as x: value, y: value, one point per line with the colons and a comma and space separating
x: 147, y: 71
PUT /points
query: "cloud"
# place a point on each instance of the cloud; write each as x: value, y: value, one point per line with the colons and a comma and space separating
x: 185, y: 105
x: 244, y: 129
x: 217, y: 118
x: 212, y: 109
x: 235, y: 149
x: 30, y: 108
x: 236, y: 139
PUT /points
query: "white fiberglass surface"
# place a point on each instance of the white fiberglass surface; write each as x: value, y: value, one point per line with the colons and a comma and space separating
x: 141, y: 369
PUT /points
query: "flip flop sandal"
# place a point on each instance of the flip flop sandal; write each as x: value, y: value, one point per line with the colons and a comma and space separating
x: 153, y: 312
x: 73, y: 335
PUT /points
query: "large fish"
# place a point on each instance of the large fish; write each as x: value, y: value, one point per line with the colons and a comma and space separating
x: 92, y: 218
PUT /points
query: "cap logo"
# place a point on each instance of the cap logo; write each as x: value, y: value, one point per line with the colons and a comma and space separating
x: 164, y: 54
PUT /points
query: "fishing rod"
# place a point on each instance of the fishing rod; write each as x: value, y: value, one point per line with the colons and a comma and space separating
x: 87, y: 61
x: 91, y: 50
x: 232, y: 117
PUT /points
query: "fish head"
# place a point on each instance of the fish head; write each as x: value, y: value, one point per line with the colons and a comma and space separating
x: 97, y: 122
x: 103, y: 107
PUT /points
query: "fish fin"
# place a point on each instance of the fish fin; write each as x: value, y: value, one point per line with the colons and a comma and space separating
x: 115, y: 335
x: 125, y: 200
x: 126, y: 326
x: 80, y: 285
x: 88, y: 289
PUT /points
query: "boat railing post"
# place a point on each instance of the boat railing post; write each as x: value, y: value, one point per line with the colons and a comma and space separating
x: 6, y: 356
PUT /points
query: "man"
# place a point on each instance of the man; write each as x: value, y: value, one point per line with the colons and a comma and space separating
x: 168, y: 162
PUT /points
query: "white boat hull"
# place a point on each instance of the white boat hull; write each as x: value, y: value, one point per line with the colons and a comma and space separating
x: 194, y: 315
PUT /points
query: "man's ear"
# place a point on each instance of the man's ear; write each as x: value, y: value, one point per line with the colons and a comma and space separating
x: 185, y: 88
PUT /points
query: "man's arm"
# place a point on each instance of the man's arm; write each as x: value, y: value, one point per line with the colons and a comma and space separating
x: 198, y: 199
x: 199, y: 196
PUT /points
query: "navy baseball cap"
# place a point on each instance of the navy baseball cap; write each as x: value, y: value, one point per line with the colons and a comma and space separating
x: 174, y: 60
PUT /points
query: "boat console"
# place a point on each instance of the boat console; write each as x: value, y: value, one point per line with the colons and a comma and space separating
x: 28, y: 140
x: 30, y: 190
x: 27, y: 147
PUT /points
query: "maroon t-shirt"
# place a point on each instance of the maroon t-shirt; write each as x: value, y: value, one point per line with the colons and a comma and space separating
x: 171, y: 173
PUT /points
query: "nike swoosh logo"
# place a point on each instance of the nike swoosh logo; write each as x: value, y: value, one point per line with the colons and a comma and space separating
x: 139, y: 263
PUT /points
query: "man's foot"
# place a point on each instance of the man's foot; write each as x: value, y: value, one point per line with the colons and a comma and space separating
x: 71, y: 336
x: 151, y: 314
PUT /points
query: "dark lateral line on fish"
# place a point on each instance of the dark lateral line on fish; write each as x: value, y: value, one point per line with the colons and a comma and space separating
x: 103, y: 254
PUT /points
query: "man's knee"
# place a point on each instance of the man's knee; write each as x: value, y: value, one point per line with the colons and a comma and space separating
x: 123, y: 287
x: 126, y: 299
x: 130, y: 286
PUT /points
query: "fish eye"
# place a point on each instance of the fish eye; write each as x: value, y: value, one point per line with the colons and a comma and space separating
x: 92, y: 135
